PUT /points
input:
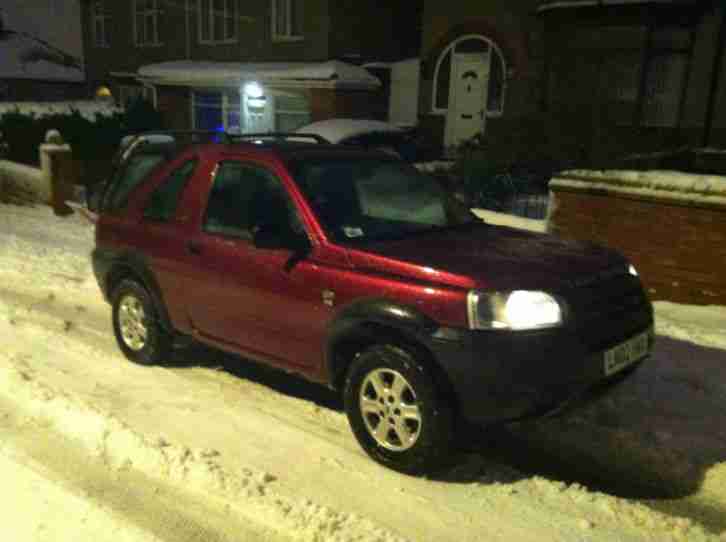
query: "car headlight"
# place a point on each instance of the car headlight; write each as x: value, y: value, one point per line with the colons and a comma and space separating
x: 632, y: 270
x: 518, y: 309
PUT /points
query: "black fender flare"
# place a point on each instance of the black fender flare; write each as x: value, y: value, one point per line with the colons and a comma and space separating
x: 368, y: 320
x: 136, y: 266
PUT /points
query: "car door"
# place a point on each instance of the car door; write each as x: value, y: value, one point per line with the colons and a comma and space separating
x: 261, y: 301
x: 163, y: 236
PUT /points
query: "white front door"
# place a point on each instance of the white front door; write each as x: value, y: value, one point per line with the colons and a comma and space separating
x: 468, y: 89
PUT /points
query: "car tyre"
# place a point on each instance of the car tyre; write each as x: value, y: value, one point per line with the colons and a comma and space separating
x: 397, y: 413
x: 139, y: 333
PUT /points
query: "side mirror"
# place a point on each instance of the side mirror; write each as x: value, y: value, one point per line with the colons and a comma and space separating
x: 272, y: 237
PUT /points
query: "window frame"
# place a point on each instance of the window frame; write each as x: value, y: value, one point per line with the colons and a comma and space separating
x: 248, y: 234
x: 155, y: 13
x: 210, y: 22
x: 288, y: 35
x: 194, y: 163
x: 228, y: 102
x: 100, y: 17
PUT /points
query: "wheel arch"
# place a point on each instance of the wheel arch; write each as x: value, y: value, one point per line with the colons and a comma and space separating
x: 135, y: 267
x: 378, y: 321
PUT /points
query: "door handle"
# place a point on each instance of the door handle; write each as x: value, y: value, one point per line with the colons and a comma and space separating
x: 194, y: 248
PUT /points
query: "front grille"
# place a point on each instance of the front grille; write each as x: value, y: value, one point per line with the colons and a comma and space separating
x: 608, y: 311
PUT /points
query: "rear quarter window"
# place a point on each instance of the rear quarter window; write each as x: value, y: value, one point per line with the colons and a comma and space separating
x: 131, y: 174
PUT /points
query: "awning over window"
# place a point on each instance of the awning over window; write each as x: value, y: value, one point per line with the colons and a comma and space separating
x: 331, y: 74
x: 549, y: 5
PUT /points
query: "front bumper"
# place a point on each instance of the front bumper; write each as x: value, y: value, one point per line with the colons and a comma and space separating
x: 500, y: 376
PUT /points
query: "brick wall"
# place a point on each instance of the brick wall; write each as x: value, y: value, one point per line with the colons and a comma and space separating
x: 174, y: 104
x: 678, y: 247
x: 330, y: 103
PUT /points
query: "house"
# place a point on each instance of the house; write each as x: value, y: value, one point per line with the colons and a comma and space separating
x: 254, y: 65
x: 41, y: 53
x: 584, y: 80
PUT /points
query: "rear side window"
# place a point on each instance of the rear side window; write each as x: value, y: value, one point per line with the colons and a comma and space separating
x: 165, y: 199
x: 136, y: 170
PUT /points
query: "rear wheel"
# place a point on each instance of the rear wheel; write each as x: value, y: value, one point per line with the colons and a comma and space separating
x: 396, y: 412
x: 136, y: 325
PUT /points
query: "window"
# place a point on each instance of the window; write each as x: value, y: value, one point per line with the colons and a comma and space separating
x: 100, y: 24
x: 129, y: 93
x: 368, y: 200
x: 165, y: 199
x: 291, y: 112
x: 216, y: 111
x: 245, y: 196
x: 442, y: 73
x: 663, y: 87
x: 287, y: 20
x: 136, y: 170
x: 147, y: 15
x: 217, y: 21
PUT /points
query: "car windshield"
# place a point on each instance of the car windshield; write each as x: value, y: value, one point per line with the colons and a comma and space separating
x: 360, y: 200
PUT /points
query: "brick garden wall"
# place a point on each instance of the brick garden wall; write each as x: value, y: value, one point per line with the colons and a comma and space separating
x: 677, y: 244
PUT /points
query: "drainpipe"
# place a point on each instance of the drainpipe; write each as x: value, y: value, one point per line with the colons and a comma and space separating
x: 716, y: 73
x: 187, y: 29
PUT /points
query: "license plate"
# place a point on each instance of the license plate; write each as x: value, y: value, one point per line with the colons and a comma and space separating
x: 627, y: 353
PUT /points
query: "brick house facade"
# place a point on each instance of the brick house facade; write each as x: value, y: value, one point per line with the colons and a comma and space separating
x: 583, y: 81
x: 123, y: 37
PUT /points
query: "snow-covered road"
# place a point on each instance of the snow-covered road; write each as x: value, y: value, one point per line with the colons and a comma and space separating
x: 213, y: 447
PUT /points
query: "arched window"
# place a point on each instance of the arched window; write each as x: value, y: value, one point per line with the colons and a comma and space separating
x: 471, y: 43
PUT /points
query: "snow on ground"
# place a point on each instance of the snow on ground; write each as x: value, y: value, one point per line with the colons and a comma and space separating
x: 216, y: 448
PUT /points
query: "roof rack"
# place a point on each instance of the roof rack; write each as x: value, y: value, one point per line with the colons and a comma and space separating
x: 277, y: 136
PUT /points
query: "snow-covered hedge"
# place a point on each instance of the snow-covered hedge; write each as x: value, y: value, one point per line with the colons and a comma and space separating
x: 92, y: 129
x: 88, y: 109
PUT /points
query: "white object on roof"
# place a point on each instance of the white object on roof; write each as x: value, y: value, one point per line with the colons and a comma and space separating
x: 336, y: 130
x: 187, y: 72
x: 559, y: 4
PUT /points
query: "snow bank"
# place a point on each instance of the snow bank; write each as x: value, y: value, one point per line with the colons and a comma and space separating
x: 702, y: 325
x: 501, y: 219
x: 196, y: 72
x: 88, y: 109
x: 23, y: 182
x: 672, y: 185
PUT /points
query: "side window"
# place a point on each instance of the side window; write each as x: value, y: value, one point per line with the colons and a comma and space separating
x: 244, y: 197
x: 165, y: 199
x: 133, y: 172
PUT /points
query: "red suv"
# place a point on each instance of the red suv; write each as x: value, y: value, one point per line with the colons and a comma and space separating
x: 353, y: 269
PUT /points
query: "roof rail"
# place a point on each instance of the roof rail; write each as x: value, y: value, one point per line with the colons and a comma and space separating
x: 278, y: 136
x: 131, y: 141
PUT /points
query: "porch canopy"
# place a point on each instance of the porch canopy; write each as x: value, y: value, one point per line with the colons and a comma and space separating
x: 330, y: 74
x: 548, y: 5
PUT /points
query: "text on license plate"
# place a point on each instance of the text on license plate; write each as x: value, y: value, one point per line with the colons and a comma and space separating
x: 624, y: 354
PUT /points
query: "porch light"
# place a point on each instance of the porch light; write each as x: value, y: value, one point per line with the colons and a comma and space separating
x: 253, y: 90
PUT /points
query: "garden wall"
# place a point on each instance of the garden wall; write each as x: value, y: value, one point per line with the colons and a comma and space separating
x: 671, y: 225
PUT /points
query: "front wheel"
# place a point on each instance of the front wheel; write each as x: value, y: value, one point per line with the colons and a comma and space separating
x: 396, y: 412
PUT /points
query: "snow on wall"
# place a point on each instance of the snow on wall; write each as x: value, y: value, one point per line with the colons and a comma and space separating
x: 671, y: 185
x: 89, y: 109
